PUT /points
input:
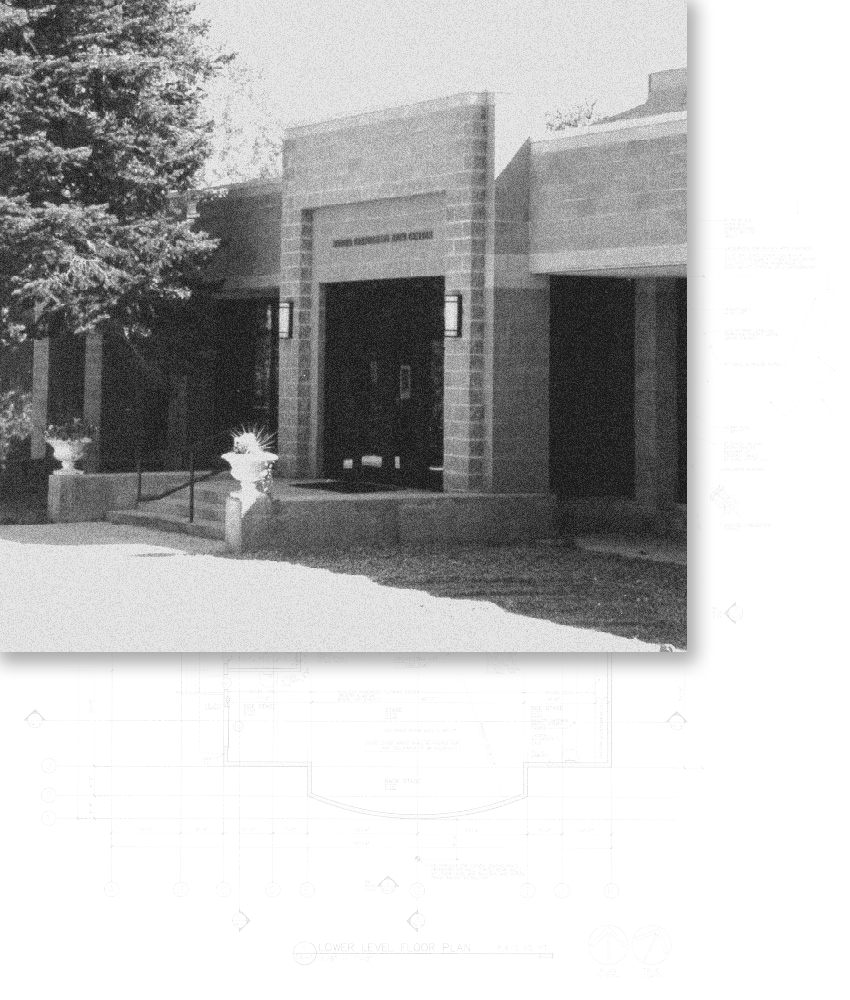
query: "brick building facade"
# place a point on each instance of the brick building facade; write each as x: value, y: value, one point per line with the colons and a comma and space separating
x: 323, y: 312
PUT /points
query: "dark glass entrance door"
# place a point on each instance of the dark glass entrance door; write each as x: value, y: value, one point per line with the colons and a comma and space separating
x: 383, y: 381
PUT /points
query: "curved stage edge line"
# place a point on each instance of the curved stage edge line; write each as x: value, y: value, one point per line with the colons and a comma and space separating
x: 452, y: 815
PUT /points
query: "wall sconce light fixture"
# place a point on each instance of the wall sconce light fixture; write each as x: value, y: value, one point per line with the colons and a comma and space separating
x: 453, y: 315
x: 284, y: 319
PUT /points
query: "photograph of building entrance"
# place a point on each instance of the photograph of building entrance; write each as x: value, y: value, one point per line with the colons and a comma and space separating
x: 404, y: 363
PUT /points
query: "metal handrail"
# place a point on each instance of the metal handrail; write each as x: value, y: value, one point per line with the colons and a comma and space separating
x: 190, y: 482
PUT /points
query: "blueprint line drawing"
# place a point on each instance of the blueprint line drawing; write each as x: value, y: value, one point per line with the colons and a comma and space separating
x: 420, y: 807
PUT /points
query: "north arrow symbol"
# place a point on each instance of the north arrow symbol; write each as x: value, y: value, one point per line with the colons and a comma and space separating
x: 609, y: 933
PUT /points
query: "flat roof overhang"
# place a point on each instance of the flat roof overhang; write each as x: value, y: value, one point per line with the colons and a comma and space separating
x: 649, y: 261
x: 615, y: 260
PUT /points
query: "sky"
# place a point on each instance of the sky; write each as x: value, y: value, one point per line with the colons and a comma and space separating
x: 327, y: 58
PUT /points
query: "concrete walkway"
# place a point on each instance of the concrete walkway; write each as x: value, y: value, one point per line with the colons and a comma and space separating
x: 98, y: 587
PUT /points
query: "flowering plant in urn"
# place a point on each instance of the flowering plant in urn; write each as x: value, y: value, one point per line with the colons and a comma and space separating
x: 251, y: 464
x: 69, y: 442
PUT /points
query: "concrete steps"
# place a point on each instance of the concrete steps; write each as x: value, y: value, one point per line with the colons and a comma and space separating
x: 200, y: 528
x: 171, y: 513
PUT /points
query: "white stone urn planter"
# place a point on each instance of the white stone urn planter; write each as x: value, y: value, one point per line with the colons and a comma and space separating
x: 69, y: 452
x: 248, y: 468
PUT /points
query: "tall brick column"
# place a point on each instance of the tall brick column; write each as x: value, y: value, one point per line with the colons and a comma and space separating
x: 469, y: 208
x: 655, y: 395
x: 93, y: 394
x: 40, y: 373
x: 297, y: 384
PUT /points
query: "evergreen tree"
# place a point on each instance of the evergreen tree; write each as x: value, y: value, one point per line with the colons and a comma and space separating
x: 102, y: 125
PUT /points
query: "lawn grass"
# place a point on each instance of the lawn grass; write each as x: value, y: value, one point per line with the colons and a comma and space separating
x: 634, y: 598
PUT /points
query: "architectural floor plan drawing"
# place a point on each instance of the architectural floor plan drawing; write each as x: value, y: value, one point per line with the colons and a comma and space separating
x: 419, y: 807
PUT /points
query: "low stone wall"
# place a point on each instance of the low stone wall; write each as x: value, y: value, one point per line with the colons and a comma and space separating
x: 620, y: 515
x: 88, y: 497
x: 314, y: 524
